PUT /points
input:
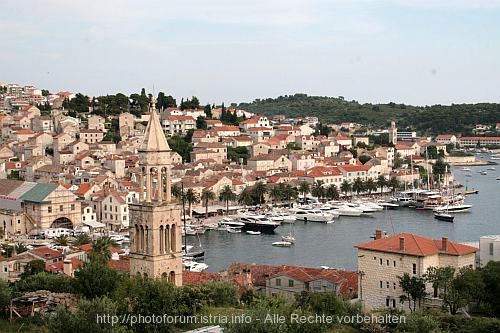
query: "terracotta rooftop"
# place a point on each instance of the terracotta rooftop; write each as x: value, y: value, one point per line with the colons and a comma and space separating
x: 416, y: 245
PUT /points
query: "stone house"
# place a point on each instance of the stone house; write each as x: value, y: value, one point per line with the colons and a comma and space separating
x: 383, y: 260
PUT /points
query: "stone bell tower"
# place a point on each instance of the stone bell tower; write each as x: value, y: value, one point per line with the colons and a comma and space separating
x: 155, y: 230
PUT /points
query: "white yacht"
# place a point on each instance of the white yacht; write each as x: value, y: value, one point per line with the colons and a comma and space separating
x: 346, y: 210
x: 465, y: 169
x: 258, y: 223
x: 283, y: 217
x: 194, y: 266
x: 313, y: 215
x: 229, y: 222
x: 453, y: 208
x: 369, y: 207
x: 282, y: 244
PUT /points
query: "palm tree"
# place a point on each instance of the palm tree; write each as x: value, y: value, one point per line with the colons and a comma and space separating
x: 345, y: 187
x: 289, y: 192
x: 207, y: 195
x: 227, y: 195
x: 176, y: 191
x: 381, y: 182
x: 393, y: 184
x: 246, y: 197
x: 277, y: 192
x: 192, y: 198
x: 304, y: 188
x: 20, y: 248
x: 358, y: 185
x: 62, y: 240
x: 101, y: 249
x: 82, y: 239
x: 370, y: 185
x: 332, y: 192
x: 260, y: 190
x: 7, y: 250
x: 318, y: 190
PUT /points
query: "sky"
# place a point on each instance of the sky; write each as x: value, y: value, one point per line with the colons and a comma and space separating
x: 418, y: 52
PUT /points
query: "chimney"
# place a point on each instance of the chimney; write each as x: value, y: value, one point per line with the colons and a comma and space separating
x: 378, y: 234
x: 401, y: 244
x: 68, y: 267
x: 444, y: 244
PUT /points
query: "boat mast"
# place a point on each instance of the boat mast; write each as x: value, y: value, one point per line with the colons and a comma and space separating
x: 427, y: 168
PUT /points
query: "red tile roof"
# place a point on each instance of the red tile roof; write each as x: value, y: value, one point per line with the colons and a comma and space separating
x: 416, y: 245
x: 197, y: 278
x: 88, y: 247
x: 46, y: 253
x: 58, y: 266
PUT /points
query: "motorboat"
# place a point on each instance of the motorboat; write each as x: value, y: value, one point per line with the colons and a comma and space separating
x: 346, y: 210
x: 313, y: 215
x: 250, y: 232
x: 194, y: 266
x: 443, y: 216
x: 453, y: 208
x: 282, y: 244
x: 491, y: 168
x: 233, y: 230
x: 387, y: 205
x: 258, y: 223
x: 465, y: 169
x: 484, y: 173
x: 369, y: 207
x: 229, y: 222
x: 403, y: 199
x: 281, y: 217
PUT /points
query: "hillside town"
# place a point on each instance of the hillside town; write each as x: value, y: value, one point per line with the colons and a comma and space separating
x: 64, y: 174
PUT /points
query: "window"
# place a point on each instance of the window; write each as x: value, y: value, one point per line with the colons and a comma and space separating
x: 124, y: 218
x: 380, y: 261
x: 116, y: 209
x: 105, y: 207
x: 110, y: 199
x: 61, y: 208
x: 381, y: 284
x: 290, y: 283
x: 317, y: 284
x: 388, y: 284
x: 394, y: 285
x: 49, y: 209
x: 393, y: 303
x: 72, y: 206
x: 387, y: 302
x: 83, y: 218
x: 394, y: 263
x: 387, y: 262
x: 374, y: 258
x: 491, y: 249
x: 414, y: 268
x: 278, y: 282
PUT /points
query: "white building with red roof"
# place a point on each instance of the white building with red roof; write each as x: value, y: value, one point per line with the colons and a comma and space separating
x: 383, y: 260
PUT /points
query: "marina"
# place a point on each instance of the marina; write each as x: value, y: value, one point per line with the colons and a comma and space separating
x: 332, y: 244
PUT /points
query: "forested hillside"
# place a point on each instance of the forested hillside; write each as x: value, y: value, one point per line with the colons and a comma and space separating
x: 457, y: 118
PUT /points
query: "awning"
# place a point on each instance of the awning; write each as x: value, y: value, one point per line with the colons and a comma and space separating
x: 94, y: 224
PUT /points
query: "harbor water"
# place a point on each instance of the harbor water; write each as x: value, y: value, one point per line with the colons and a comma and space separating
x: 332, y: 245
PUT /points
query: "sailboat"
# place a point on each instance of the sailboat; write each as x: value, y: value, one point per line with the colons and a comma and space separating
x: 290, y: 237
x: 443, y: 216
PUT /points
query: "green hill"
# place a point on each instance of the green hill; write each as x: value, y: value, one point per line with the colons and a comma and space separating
x: 456, y: 118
